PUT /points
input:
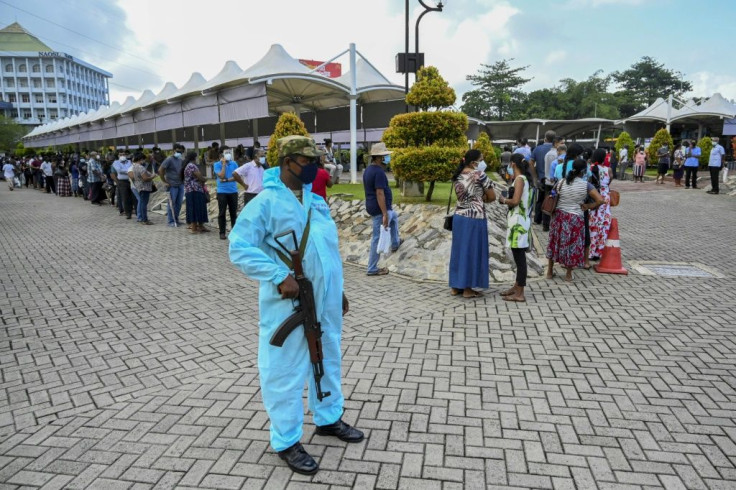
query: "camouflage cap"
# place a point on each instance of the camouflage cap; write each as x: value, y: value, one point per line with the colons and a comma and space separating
x: 298, y: 145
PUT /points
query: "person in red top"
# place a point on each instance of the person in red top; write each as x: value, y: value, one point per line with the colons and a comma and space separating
x: 322, y: 181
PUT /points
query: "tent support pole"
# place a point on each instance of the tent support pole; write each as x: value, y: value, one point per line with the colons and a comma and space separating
x: 598, y: 135
x: 155, y: 138
x: 173, y: 138
x: 536, y: 138
x: 196, y: 138
x: 353, y: 118
x: 255, y: 131
x: 669, y: 112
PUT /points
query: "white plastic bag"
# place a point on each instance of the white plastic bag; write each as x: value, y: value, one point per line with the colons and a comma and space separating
x: 384, y: 241
x: 725, y: 174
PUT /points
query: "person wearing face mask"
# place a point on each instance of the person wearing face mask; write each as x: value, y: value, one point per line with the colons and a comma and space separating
x: 227, y: 189
x: 119, y: 174
x: 469, y: 252
x: 333, y: 167
x: 378, y: 199
x: 250, y: 175
x: 287, y: 204
x: 170, y: 173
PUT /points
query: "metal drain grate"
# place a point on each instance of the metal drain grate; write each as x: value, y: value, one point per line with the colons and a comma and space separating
x: 678, y: 270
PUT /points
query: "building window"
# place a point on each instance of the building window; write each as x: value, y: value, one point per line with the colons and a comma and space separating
x: 49, y: 68
x: 9, y: 67
x: 9, y: 82
x: 52, y: 98
x: 22, y: 82
x: 22, y: 68
x: 53, y: 114
x: 12, y: 98
x: 25, y: 98
x: 36, y: 68
x: 50, y: 83
x: 37, y: 83
x: 62, y: 83
x: 63, y: 113
x: 63, y: 98
x: 26, y: 113
x: 40, y: 114
x: 38, y: 98
x: 14, y: 113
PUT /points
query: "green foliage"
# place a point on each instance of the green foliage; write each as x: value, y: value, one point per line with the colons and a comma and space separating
x: 483, y: 143
x: 624, y: 140
x: 661, y: 137
x: 648, y: 79
x: 426, y: 128
x: 10, y: 132
x: 426, y: 163
x: 287, y: 125
x: 706, y: 145
x: 430, y: 90
x: 498, y: 89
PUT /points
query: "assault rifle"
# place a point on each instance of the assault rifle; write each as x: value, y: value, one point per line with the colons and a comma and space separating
x: 305, y: 313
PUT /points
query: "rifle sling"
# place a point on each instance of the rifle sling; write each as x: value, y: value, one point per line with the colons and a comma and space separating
x: 302, y: 244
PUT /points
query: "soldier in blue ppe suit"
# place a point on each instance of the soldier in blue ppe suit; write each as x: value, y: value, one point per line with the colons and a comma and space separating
x: 283, y: 205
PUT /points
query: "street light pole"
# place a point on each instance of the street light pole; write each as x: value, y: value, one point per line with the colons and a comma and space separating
x: 406, y: 55
x: 427, y: 9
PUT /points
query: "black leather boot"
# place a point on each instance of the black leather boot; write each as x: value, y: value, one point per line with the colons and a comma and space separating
x: 299, y: 460
x: 341, y: 430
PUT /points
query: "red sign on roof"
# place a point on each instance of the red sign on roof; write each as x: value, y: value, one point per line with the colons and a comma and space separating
x: 332, y: 70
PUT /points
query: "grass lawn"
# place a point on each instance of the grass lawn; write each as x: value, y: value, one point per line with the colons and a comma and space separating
x: 439, y: 195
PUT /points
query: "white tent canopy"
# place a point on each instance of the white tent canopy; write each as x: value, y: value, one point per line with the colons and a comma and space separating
x: 274, y: 84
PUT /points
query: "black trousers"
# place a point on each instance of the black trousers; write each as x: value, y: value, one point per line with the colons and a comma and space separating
x: 691, y: 173
x: 714, y: 173
x: 248, y: 197
x: 50, y: 186
x: 96, y: 192
x: 227, y: 202
x: 520, y: 261
x: 539, y: 216
x: 126, y: 198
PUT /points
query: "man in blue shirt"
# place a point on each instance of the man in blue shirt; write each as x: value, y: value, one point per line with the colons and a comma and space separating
x: 715, y: 164
x: 378, y: 199
x: 538, y: 162
x: 94, y: 177
x: 227, y: 189
x: 524, y: 149
x: 171, y: 175
x: 692, y: 154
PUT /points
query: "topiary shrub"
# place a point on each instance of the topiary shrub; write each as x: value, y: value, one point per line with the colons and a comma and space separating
x: 624, y: 140
x: 706, y: 145
x: 430, y: 90
x: 427, y: 145
x: 483, y: 143
x: 661, y: 137
x: 287, y: 125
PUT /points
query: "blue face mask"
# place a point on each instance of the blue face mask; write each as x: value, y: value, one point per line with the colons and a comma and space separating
x: 262, y: 160
x: 177, y: 155
x: 386, y: 159
x: 309, y: 172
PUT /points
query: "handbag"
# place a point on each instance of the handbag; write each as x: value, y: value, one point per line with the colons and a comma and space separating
x: 207, y: 196
x: 448, y: 217
x: 154, y: 188
x: 550, y: 201
x: 614, y: 197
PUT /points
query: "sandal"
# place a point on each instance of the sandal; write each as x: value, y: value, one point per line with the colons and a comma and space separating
x: 379, y: 272
x: 474, y: 294
x: 514, y: 298
x: 455, y: 291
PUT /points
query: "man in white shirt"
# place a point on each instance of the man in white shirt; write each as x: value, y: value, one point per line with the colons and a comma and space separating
x: 331, y: 165
x: 48, y: 173
x: 250, y: 175
x: 9, y: 173
x: 623, y: 161
x: 715, y: 164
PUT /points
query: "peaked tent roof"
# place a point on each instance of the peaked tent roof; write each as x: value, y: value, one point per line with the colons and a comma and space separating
x: 15, y: 38
x: 230, y: 73
x: 275, y: 61
x: 371, y: 84
x: 655, y: 112
x: 193, y: 86
x: 146, y: 97
x: 716, y: 106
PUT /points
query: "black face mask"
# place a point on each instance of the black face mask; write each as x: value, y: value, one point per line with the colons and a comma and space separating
x: 309, y: 172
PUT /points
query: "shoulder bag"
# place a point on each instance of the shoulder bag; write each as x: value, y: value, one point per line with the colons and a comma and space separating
x: 614, y: 197
x: 550, y: 201
x: 448, y: 217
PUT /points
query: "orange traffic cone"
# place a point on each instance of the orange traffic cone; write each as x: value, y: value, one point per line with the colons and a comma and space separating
x: 611, y: 259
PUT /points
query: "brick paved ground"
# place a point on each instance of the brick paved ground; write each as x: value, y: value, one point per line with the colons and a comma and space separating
x: 127, y: 360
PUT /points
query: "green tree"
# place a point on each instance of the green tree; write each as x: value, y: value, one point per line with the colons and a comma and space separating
x: 646, y: 80
x: 10, y: 132
x: 497, y: 93
x: 624, y: 140
x: 430, y: 90
x: 287, y: 125
x: 661, y: 137
x: 483, y: 143
x: 706, y: 145
x: 427, y: 145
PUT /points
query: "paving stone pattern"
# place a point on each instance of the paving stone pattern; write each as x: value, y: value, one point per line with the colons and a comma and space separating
x: 128, y: 360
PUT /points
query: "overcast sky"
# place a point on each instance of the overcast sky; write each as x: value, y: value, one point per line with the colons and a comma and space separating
x: 146, y: 43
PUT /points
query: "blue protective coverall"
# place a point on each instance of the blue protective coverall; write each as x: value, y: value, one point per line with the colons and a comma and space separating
x: 283, y: 370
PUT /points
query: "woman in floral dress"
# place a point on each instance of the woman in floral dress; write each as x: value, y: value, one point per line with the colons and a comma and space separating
x: 567, y: 230
x: 600, y: 219
x: 196, y: 203
x: 519, y: 222
x: 469, y: 252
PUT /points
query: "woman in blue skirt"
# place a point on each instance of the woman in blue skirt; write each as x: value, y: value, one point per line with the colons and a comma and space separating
x: 469, y: 253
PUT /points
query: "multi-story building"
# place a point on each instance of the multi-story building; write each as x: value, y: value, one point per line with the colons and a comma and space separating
x: 39, y: 84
